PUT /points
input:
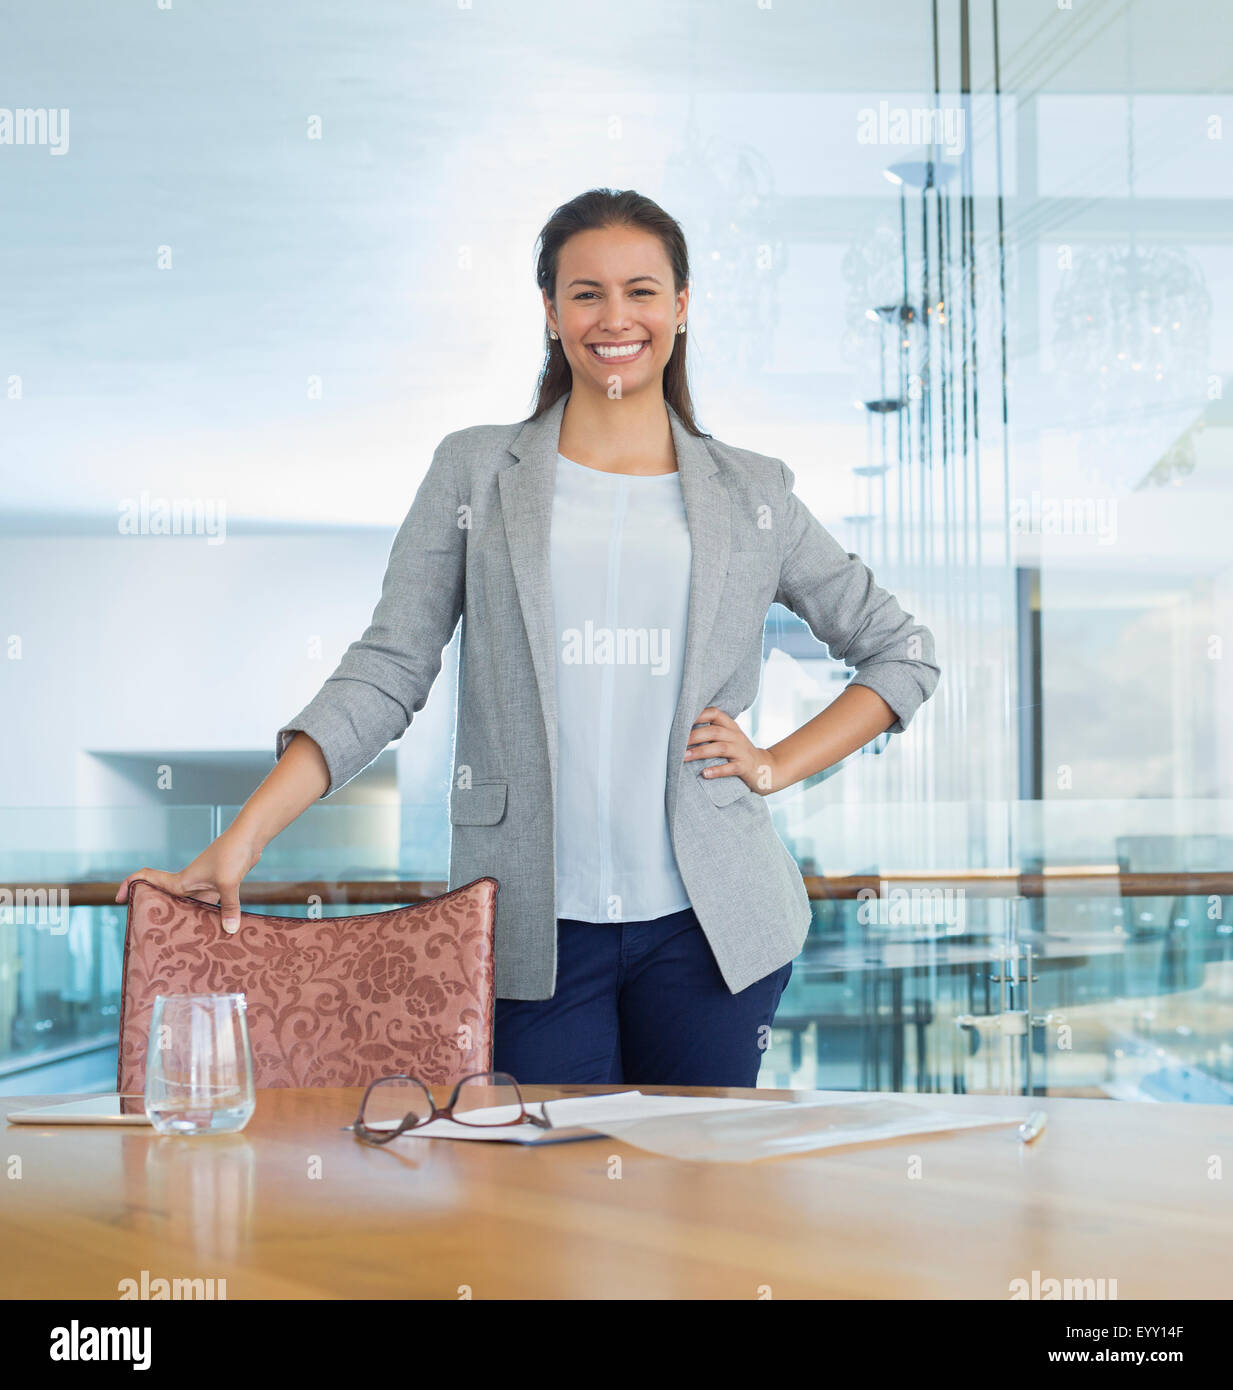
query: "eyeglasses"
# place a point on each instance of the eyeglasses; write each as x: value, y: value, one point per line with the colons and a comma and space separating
x: 392, y: 1105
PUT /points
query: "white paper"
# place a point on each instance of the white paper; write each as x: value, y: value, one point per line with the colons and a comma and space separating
x: 778, y: 1130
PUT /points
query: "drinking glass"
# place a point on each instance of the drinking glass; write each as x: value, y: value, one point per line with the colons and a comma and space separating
x: 199, y: 1066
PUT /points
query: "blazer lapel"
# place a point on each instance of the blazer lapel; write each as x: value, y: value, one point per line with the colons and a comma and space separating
x: 526, y: 510
x: 526, y: 505
x: 708, y: 510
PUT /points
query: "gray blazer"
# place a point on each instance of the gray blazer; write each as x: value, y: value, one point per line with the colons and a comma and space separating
x: 475, y: 546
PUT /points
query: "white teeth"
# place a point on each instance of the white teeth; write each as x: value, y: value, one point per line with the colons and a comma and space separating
x: 618, y: 351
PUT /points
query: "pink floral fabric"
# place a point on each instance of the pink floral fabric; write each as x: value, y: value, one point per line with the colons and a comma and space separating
x: 332, y: 1001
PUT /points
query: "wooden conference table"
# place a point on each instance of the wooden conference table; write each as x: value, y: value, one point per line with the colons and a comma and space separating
x: 293, y: 1207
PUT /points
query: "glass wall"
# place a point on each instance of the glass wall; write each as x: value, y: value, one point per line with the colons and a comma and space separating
x: 962, y: 267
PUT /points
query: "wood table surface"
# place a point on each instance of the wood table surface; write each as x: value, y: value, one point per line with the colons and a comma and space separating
x: 294, y: 1207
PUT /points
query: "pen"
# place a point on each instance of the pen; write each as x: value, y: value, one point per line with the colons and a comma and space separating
x: 1032, y: 1127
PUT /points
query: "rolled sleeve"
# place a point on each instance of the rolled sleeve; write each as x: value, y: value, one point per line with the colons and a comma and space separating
x: 863, y: 625
x: 383, y: 678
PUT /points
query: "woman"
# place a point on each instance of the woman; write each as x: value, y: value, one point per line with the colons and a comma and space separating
x: 612, y: 567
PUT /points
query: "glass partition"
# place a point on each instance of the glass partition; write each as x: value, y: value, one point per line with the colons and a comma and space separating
x: 949, y: 981
x: 961, y: 266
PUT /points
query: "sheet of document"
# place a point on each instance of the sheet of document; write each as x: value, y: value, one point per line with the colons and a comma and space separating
x: 778, y: 1130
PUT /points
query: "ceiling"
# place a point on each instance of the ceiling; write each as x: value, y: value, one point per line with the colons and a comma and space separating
x: 326, y: 309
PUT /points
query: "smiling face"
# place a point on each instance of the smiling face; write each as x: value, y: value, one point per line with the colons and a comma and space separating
x: 616, y: 309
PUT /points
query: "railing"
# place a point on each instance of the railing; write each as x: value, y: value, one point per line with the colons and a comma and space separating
x: 985, y: 883
x: 1110, y: 992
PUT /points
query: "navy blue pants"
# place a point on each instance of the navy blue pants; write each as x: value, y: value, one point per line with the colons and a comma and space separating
x: 640, y: 1003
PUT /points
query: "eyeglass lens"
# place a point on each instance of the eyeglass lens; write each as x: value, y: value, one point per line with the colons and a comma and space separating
x: 479, y: 1096
x: 391, y: 1100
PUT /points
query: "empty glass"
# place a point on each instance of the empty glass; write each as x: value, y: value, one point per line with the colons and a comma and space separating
x: 199, y: 1067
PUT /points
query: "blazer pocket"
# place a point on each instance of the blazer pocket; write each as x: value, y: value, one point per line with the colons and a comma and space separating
x: 747, y: 563
x: 482, y: 803
x: 750, y: 577
x: 723, y: 790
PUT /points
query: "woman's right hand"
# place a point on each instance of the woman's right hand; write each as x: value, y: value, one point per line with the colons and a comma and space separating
x: 213, y: 876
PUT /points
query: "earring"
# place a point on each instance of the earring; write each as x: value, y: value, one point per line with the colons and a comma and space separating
x: 553, y: 335
x: 680, y: 328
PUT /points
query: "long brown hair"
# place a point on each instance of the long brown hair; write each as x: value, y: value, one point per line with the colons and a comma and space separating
x: 610, y: 207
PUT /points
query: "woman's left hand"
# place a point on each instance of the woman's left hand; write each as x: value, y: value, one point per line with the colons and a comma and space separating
x: 724, y: 738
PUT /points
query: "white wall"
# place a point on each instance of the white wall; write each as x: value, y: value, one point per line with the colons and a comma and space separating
x: 168, y: 645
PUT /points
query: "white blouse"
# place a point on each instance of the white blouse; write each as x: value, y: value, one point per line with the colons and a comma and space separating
x: 620, y: 566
